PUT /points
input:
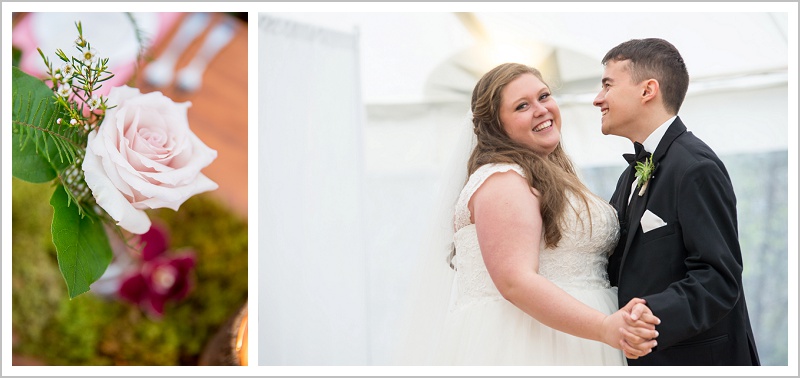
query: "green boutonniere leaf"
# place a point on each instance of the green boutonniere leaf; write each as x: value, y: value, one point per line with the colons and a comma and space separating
x: 644, y: 171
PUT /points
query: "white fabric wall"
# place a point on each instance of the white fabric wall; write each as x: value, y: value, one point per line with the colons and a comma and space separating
x: 405, y: 148
x: 312, y: 262
x: 729, y: 119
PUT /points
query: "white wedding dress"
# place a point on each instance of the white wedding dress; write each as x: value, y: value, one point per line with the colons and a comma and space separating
x: 482, y: 328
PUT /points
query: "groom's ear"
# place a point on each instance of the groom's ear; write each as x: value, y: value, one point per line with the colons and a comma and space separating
x: 650, y: 89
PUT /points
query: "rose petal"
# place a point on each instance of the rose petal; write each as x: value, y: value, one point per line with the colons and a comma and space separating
x: 151, y: 143
x: 203, y: 156
x: 111, y: 199
x: 174, y: 197
x: 99, y: 143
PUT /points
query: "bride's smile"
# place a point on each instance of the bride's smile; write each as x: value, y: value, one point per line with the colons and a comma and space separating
x: 530, y: 115
x: 543, y: 126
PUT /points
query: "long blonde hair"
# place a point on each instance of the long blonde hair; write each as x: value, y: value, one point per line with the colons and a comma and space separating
x: 552, y: 176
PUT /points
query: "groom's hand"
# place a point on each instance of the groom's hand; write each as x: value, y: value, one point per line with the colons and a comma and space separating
x: 639, y: 315
x: 639, y: 335
x: 640, y: 312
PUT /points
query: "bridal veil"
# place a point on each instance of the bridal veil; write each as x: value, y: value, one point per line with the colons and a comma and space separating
x: 432, y: 279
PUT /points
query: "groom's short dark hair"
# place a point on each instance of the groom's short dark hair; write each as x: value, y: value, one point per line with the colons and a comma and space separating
x: 655, y: 58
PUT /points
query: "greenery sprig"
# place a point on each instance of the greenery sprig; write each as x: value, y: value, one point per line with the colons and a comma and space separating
x: 50, y: 129
x: 76, y: 81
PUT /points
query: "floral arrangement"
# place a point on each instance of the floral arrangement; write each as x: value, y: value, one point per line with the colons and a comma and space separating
x: 110, y: 158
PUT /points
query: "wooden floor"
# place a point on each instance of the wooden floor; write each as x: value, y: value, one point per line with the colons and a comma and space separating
x: 218, y: 115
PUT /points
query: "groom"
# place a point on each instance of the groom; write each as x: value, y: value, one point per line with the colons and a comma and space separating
x: 678, y: 247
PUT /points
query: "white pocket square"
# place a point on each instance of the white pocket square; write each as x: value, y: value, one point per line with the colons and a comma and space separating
x: 651, y: 221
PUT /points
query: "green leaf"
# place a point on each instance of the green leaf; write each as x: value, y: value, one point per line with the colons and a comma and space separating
x: 28, y: 165
x: 16, y: 56
x: 81, y: 244
x: 34, y: 116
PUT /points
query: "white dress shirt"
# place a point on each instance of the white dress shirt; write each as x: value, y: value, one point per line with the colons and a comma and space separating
x: 651, y: 143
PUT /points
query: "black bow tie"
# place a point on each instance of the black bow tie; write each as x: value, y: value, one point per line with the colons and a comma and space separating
x: 639, y: 156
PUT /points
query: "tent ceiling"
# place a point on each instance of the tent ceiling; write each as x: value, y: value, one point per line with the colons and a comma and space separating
x: 435, y: 56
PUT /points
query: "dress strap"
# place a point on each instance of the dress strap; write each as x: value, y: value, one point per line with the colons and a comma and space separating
x: 462, y: 214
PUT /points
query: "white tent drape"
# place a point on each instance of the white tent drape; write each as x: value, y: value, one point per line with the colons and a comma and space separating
x: 312, y: 265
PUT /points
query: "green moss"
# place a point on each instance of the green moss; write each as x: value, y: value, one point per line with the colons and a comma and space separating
x: 33, y: 261
x: 90, y: 330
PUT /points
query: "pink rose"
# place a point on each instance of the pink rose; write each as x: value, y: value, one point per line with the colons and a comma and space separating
x: 144, y: 156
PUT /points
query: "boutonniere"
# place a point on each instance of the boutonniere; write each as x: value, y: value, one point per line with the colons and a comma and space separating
x: 644, y: 172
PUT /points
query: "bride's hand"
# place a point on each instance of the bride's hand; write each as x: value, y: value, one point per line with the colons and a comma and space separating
x: 636, y: 339
x: 639, y: 335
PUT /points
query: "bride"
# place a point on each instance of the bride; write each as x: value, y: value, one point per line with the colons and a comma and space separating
x: 527, y: 282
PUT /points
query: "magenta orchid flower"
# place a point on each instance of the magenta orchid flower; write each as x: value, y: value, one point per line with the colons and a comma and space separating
x: 161, y: 278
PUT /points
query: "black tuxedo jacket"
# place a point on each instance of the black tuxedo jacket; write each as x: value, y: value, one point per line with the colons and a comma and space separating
x: 690, y: 270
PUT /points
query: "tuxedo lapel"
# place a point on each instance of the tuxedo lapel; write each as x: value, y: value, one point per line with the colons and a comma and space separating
x: 626, y: 192
x: 673, y: 132
x: 639, y: 205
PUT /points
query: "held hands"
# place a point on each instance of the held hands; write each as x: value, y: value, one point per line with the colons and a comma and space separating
x: 632, y: 329
x: 639, y: 334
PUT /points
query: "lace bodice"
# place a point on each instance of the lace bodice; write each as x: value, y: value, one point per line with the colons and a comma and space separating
x: 579, y: 260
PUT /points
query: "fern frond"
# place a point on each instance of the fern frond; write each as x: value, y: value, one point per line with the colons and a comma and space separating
x: 37, y: 123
